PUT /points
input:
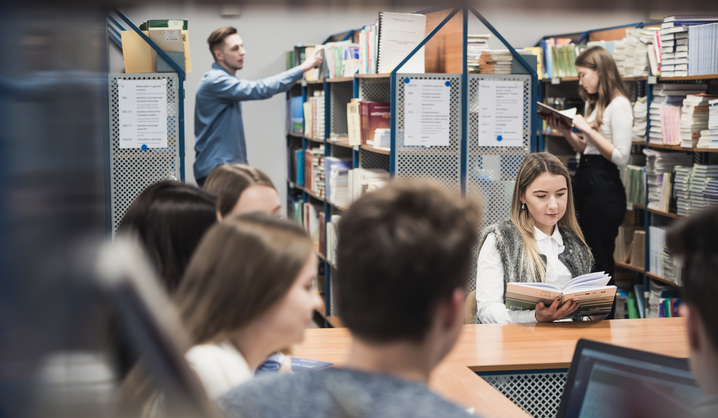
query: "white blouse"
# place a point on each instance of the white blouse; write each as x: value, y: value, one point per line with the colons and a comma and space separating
x: 617, y: 128
x: 490, y: 278
x: 220, y: 367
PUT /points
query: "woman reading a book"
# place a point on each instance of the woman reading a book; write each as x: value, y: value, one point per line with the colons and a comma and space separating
x: 541, y: 242
x: 605, y: 147
x: 247, y: 293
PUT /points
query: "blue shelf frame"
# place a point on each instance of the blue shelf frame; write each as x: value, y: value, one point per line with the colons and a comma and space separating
x: 114, y: 30
x: 392, y: 80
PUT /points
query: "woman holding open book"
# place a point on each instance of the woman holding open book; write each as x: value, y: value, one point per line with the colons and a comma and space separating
x: 541, y: 242
x: 605, y: 146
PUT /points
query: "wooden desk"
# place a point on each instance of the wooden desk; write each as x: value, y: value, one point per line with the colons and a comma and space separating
x: 512, y: 347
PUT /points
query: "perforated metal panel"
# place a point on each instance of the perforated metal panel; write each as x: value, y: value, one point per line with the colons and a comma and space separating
x: 558, y: 145
x: 440, y: 163
x: 659, y: 220
x: 539, y: 394
x: 340, y: 94
x: 374, y: 89
x: 491, y: 171
x: 339, y: 152
x: 132, y: 170
x: 368, y: 159
x: 334, y: 297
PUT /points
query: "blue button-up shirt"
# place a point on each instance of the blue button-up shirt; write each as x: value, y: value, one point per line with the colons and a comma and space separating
x: 218, y: 127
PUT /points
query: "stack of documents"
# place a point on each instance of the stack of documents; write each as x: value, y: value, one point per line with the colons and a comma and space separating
x: 694, y: 118
x: 496, y: 62
x: 475, y: 46
x: 640, y: 118
x: 701, y: 174
x: 682, y: 191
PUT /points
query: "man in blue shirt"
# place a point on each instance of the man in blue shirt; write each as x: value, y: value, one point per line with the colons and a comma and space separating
x: 218, y: 127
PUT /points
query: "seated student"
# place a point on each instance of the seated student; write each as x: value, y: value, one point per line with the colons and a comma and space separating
x: 405, y: 257
x: 170, y: 218
x: 541, y: 242
x: 247, y: 293
x: 242, y: 189
x: 695, y: 241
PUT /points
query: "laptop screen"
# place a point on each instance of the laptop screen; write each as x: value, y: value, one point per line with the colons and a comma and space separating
x: 603, y: 378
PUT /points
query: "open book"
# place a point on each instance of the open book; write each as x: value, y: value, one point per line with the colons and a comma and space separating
x: 565, y: 116
x: 590, y: 290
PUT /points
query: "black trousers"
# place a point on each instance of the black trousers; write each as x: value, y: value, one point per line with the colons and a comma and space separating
x: 600, y: 202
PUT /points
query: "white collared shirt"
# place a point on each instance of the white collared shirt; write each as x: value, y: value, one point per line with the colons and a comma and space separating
x: 490, y: 278
x: 617, y: 128
x: 220, y: 367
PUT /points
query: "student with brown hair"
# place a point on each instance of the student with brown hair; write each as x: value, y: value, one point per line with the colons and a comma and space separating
x: 242, y: 189
x: 170, y: 218
x: 541, y: 242
x: 405, y: 257
x: 695, y: 241
x: 605, y: 146
x: 247, y: 293
x: 218, y: 126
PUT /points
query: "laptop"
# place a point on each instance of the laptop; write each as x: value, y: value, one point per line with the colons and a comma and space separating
x: 610, y: 381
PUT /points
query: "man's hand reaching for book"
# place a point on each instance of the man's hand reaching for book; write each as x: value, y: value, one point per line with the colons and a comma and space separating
x: 554, y: 312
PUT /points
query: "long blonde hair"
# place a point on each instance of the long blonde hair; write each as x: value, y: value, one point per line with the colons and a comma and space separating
x: 242, y: 267
x: 610, y: 82
x: 533, y: 166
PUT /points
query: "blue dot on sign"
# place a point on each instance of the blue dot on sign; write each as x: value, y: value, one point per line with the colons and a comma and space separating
x: 499, y: 138
x: 406, y: 80
x: 448, y: 83
x: 144, y: 148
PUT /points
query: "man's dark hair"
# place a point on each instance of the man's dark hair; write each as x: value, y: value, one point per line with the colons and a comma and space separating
x: 696, y: 240
x: 216, y: 38
x: 401, y: 251
x: 170, y: 218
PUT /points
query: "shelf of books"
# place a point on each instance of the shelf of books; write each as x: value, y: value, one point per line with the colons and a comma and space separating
x: 673, y: 87
x: 340, y: 121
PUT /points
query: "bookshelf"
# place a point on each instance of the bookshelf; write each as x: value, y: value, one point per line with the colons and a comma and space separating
x: 637, y: 87
x: 444, y: 60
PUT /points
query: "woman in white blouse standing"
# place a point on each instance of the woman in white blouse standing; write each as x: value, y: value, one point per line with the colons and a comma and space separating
x: 605, y: 147
x: 541, y: 242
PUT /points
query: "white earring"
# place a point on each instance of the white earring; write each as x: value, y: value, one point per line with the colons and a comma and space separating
x: 523, y: 206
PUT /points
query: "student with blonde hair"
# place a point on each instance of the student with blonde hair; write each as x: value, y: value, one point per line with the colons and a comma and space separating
x: 247, y: 293
x: 605, y: 147
x: 541, y: 242
x: 241, y: 188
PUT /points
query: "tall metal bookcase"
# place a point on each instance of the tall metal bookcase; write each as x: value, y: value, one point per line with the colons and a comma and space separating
x: 637, y: 87
x: 462, y: 166
x: 130, y: 171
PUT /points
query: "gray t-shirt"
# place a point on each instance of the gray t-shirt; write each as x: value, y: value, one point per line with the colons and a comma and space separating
x: 333, y: 393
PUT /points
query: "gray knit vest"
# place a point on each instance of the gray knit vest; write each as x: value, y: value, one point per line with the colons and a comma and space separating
x: 576, y: 255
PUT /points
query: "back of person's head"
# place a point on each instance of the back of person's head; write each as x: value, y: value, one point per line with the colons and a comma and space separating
x: 230, y: 181
x: 610, y: 82
x: 534, y: 165
x: 216, y: 38
x: 241, y: 268
x: 402, y: 251
x: 695, y: 241
x: 170, y: 218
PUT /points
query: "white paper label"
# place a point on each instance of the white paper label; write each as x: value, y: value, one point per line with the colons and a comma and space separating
x: 427, y: 109
x: 143, y: 113
x: 175, y: 24
x: 172, y: 35
x: 501, y: 113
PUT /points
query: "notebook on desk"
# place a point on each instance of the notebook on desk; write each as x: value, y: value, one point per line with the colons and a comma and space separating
x: 611, y: 381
